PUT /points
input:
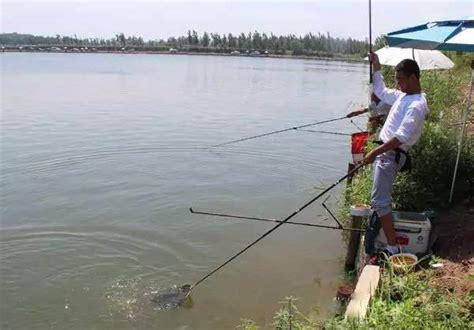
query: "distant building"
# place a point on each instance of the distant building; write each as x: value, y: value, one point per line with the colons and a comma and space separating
x: 173, y: 51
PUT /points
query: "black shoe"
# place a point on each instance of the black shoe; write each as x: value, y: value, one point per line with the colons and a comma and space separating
x: 387, y: 253
x: 384, y: 255
x: 381, y: 257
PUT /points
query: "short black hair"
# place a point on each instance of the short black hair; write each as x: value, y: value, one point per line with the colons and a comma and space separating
x: 408, y: 67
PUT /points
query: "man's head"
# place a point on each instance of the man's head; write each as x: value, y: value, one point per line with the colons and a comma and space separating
x: 407, y: 75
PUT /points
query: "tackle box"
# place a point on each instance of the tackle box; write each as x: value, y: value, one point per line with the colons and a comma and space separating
x: 412, y: 232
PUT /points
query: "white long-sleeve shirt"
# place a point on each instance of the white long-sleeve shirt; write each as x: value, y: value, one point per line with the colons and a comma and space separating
x: 406, y: 117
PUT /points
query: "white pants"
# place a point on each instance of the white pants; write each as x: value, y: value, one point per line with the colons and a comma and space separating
x: 385, y: 172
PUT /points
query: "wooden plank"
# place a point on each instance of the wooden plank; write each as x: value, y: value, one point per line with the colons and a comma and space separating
x: 365, y: 289
x: 354, y: 243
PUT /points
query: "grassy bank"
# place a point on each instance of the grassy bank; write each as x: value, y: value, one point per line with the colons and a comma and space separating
x: 413, y: 300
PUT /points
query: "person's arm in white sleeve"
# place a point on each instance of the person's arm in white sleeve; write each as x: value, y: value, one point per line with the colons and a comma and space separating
x: 385, y: 94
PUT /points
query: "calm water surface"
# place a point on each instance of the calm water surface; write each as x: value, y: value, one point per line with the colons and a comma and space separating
x: 101, y: 158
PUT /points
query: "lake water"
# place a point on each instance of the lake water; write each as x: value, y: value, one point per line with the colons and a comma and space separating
x: 101, y: 158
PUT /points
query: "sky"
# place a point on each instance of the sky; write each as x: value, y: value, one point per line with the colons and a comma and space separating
x: 160, y: 19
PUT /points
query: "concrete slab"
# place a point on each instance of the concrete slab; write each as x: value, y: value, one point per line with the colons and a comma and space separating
x: 365, y: 289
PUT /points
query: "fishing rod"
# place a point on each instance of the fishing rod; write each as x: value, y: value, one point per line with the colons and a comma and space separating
x: 325, y: 132
x: 370, y: 40
x: 340, y: 227
x: 357, y: 126
x: 282, y: 222
x: 279, y: 131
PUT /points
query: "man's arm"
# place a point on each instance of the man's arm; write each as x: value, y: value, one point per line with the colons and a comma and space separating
x: 387, y: 146
x: 385, y: 94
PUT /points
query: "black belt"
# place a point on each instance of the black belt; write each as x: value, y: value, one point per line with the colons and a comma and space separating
x: 398, y: 151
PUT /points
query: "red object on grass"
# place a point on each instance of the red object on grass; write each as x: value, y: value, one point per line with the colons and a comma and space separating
x: 358, y: 142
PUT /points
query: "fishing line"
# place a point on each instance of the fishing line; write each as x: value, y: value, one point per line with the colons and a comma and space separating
x: 279, y: 131
x: 324, y: 132
x: 232, y: 216
x: 353, y: 123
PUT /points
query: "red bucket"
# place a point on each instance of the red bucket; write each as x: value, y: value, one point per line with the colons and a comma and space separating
x: 358, y: 143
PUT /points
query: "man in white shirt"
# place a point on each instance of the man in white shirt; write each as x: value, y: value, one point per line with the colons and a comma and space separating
x: 402, y: 129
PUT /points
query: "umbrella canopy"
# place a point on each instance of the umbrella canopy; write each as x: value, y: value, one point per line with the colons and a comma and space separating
x: 426, y: 59
x: 455, y: 35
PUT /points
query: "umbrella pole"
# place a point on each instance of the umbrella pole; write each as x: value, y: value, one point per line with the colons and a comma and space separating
x: 461, y: 136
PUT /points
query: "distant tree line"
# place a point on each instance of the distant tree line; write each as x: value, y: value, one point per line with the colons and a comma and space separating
x: 297, y: 45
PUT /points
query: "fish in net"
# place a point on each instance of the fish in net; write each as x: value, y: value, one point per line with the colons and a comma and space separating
x: 172, y: 297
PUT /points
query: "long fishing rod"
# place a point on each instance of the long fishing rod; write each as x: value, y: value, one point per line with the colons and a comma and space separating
x: 279, y: 131
x: 273, y: 220
x: 370, y: 40
x: 324, y: 132
x: 275, y: 227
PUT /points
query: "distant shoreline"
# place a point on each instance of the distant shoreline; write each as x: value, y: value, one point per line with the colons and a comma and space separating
x: 301, y: 57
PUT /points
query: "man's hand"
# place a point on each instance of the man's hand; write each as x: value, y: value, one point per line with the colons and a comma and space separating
x: 370, y: 157
x: 356, y: 113
x: 389, y: 145
x: 374, y: 59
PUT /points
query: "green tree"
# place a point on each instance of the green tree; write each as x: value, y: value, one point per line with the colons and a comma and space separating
x: 195, y: 38
x: 224, y: 41
x: 232, y: 41
x: 205, y: 39
x: 380, y: 42
x: 121, y: 40
x: 242, y: 40
x: 257, y: 40
x: 216, y: 40
x: 190, y: 38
